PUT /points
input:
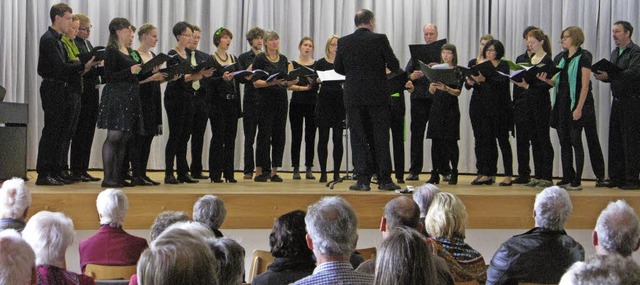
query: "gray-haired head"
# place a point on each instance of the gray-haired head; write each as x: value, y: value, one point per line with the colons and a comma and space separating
x: 210, y: 211
x: 603, y: 269
x: 423, y: 196
x: 404, y: 258
x: 49, y: 234
x: 164, y: 220
x: 552, y: 208
x: 195, y: 228
x: 332, y: 225
x: 177, y: 257
x: 15, y: 199
x: 112, y: 207
x: 17, y: 260
x: 401, y: 212
x: 618, y: 229
x: 230, y: 256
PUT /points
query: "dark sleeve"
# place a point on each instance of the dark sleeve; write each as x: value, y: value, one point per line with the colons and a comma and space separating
x: 499, y: 266
x: 243, y: 61
x: 115, y: 70
x: 632, y: 73
x: 477, y: 86
x: 258, y: 63
x: 62, y: 68
x: 338, y: 65
x: 410, y: 68
x: 392, y: 61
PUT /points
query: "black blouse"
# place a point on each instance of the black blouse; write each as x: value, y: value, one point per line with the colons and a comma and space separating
x: 274, y: 92
x: 179, y: 84
x: 307, y: 97
x: 117, y: 66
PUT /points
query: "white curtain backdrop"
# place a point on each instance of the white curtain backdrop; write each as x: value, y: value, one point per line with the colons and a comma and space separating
x: 462, y: 22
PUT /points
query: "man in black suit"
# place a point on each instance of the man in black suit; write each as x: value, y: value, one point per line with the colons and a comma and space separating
x: 362, y: 57
x: 89, y: 102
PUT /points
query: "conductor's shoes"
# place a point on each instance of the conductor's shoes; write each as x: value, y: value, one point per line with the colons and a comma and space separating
x: 359, y: 187
x: 388, y: 186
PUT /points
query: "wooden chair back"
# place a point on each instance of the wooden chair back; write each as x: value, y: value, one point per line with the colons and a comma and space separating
x: 104, y: 272
x: 259, y: 262
x: 367, y: 253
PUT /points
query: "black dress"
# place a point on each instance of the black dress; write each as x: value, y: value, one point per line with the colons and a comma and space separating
x: 120, y: 102
x: 444, y: 117
x: 302, y: 107
x: 151, y: 102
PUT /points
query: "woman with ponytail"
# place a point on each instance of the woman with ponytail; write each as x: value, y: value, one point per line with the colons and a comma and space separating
x: 537, y: 101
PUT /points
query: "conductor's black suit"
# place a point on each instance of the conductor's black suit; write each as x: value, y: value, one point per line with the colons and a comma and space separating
x: 362, y: 58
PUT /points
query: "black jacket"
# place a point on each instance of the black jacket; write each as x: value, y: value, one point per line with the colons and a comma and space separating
x: 626, y: 83
x: 537, y: 256
x: 362, y: 58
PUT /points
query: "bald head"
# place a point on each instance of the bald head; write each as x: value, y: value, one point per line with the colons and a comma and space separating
x: 402, y: 211
x: 430, y: 33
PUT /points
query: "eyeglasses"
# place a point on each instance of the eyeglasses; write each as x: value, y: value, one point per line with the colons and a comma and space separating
x: 491, y: 50
x: 86, y: 28
x: 188, y: 36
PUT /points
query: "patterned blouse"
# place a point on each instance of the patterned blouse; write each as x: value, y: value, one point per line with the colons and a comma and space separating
x: 465, y: 263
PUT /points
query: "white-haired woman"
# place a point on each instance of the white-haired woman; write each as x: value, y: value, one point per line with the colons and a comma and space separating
x: 229, y: 255
x: 14, y: 204
x: 111, y: 245
x: 50, y: 234
x: 210, y: 210
x: 423, y: 196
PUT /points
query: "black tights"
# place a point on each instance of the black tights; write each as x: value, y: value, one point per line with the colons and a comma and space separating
x: 113, y: 154
x: 323, y: 152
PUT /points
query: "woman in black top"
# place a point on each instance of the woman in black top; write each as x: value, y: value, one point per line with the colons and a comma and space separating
x: 302, y: 107
x: 224, y: 112
x: 120, y: 111
x: 272, y: 108
x: 572, y: 103
x: 177, y: 103
x: 444, y: 128
x: 536, y: 96
x: 494, y: 117
x: 329, y: 113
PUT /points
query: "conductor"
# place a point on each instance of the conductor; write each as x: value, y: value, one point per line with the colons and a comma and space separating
x: 362, y: 57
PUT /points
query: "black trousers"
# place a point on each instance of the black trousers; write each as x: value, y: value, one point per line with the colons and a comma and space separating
x: 397, y: 140
x: 297, y: 114
x: 570, y: 145
x: 55, y: 100
x: 524, y: 143
x: 250, y: 126
x: 595, y: 150
x: 419, y: 117
x: 71, y: 113
x: 624, y: 140
x: 272, y: 124
x: 200, y: 118
x: 338, y: 149
x: 180, y: 116
x: 140, y: 149
x: 224, y: 127
x: 443, y: 152
x: 370, y: 136
x: 85, y: 130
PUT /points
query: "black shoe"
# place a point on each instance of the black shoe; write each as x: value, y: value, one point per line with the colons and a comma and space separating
x: 630, y: 186
x: 231, y: 180
x: 506, y: 183
x: 199, y: 176
x: 64, y: 180
x: 79, y: 177
x: 435, y: 178
x: 48, y: 181
x: 309, y: 174
x: 413, y: 177
x: 453, y: 177
x: 359, y: 187
x: 388, y: 186
x: 296, y: 173
x: 276, y: 178
x: 400, y: 181
x: 140, y: 181
x: 216, y: 180
x: 264, y: 177
x: 521, y: 180
x: 479, y: 182
x: 187, y: 179
x: 611, y: 183
x: 170, y: 179
x: 601, y: 183
x: 154, y: 183
x: 108, y: 184
x: 127, y: 176
x: 323, y: 177
x: 127, y: 184
x: 65, y: 175
x: 93, y: 179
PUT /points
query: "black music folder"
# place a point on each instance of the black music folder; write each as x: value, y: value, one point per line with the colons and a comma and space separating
x: 439, y: 74
x: 426, y: 53
x: 98, y: 52
x: 159, y: 59
x: 606, y: 66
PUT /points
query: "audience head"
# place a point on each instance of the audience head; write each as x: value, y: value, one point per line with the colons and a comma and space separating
x: 447, y: 217
x: 574, y: 34
x: 177, y: 257
x: 17, y: 260
x: 332, y: 45
x: 603, y: 269
x: 332, y: 227
x: 364, y: 19
x: 617, y: 230
x: 210, y: 210
x: 430, y: 33
x: 404, y: 258
x: 622, y: 32
x: 538, y: 41
x: 400, y: 212
x: 15, y: 200
x: 221, y: 33
x: 49, y: 234
x: 164, y: 220
x: 449, y: 54
x: 552, y: 208
x: 287, y: 239
x: 195, y: 228
x: 423, y: 196
x: 112, y: 207
x: 493, y: 50
x: 60, y: 15
x: 254, y: 37
x: 230, y: 257
x: 119, y: 32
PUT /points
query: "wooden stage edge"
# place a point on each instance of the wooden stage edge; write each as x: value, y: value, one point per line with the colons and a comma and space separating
x: 252, y: 205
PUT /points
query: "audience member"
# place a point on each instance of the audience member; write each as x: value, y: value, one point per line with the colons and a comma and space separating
x: 164, y: 220
x: 14, y: 204
x: 230, y: 257
x: 293, y: 258
x: 194, y: 228
x: 405, y: 259
x: 446, y: 222
x: 17, y: 260
x: 403, y: 212
x: 423, y: 195
x: 210, y: 210
x: 542, y: 254
x: 50, y: 234
x: 332, y: 233
x: 603, y: 269
x: 177, y: 257
x: 617, y: 230
x: 111, y: 245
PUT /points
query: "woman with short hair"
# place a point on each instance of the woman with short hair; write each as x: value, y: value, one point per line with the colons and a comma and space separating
x: 404, y: 258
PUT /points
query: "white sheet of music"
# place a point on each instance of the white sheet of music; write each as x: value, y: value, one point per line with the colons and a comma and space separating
x: 330, y: 75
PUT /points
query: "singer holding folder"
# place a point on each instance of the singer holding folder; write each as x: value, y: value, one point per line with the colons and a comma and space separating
x: 624, y: 125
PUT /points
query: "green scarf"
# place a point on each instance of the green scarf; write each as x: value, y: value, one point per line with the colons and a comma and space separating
x: 70, y: 46
x: 572, y: 72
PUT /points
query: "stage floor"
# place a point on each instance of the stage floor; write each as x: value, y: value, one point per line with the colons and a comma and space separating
x: 253, y: 205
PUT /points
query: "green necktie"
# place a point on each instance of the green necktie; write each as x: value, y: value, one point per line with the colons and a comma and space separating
x: 196, y: 83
